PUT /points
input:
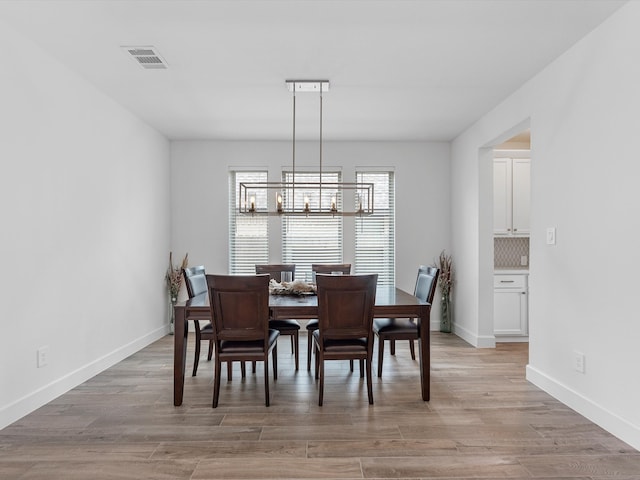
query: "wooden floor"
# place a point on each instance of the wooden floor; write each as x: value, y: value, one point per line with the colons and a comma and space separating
x: 484, y: 420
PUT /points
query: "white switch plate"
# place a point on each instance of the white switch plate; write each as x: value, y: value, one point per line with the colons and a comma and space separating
x: 523, y: 261
x: 551, y: 236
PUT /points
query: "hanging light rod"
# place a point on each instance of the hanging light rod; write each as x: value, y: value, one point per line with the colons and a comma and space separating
x: 306, y: 198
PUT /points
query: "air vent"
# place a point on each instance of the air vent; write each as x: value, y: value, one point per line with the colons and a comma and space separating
x: 146, y: 57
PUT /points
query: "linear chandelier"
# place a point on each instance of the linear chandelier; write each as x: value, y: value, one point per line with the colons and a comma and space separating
x: 306, y: 198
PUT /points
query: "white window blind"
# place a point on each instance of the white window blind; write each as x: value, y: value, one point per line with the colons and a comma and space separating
x: 248, y: 235
x: 308, y: 240
x: 375, y: 234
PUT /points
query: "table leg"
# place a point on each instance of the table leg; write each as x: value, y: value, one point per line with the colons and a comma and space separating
x: 425, y: 352
x: 179, y: 354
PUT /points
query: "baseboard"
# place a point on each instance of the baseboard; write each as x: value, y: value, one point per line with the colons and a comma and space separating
x: 478, y: 341
x: 53, y: 390
x: 612, y: 423
x: 512, y: 339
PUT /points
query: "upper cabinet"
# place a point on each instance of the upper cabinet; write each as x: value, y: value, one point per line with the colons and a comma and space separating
x: 511, y: 196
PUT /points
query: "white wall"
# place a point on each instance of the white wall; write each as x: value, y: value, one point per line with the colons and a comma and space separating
x: 200, y: 195
x: 84, y: 203
x: 583, y: 112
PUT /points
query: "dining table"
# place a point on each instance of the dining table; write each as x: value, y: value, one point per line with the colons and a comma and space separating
x: 391, y: 302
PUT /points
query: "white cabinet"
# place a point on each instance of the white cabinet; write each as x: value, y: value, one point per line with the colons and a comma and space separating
x: 511, y: 196
x: 510, y: 307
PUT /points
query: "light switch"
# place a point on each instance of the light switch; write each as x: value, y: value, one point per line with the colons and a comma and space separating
x: 551, y: 236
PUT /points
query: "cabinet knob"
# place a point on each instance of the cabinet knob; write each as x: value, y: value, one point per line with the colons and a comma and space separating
x: 515, y: 229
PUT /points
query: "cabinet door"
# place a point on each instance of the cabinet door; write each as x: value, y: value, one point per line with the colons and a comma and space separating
x: 509, y: 312
x: 502, y: 196
x: 521, y: 195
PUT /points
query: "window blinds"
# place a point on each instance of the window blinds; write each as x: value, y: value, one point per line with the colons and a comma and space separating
x: 248, y: 235
x: 375, y: 234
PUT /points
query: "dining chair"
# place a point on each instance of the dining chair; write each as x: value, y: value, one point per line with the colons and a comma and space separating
x: 312, y: 325
x: 196, y: 283
x: 345, y: 316
x: 288, y: 327
x: 393, y: 329
x: 241, y: 332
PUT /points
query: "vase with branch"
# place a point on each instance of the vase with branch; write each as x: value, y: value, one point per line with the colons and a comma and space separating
x: 445, y: 282
x: 174, y: 283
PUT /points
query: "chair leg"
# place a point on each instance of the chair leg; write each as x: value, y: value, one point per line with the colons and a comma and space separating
x: 380, y: 355
x: 196, y: 358
x: 210, y: 354
x: 266, y: 377
x: 292, y: 347
x: 369, y: 382
x: 243, y: 369
x: 275, y: 362
x: 413, y: 350
x: 229, y: 371
x: 309, y: 345
x: 361, y: 368
x: 393, y: 346
x: 351, y: 365
x: 296, y: 339
x: 317, y: 362
x: 253, y: 367
x: 216, y: 381
x: 320, y: 362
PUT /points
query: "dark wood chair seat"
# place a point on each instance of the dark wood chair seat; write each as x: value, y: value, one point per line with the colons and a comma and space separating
x: 247, y: 346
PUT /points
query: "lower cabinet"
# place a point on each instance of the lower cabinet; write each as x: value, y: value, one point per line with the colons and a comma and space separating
x: 510, y: 307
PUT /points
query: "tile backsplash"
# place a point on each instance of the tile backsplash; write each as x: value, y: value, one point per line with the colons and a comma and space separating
x: 507, y: 252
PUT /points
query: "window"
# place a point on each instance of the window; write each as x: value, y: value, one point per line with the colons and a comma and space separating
x: 307, y: 240
x: 375, y: 234
x: 248, y: 237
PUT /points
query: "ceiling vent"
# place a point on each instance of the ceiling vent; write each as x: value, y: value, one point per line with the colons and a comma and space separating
x: 146, y: 57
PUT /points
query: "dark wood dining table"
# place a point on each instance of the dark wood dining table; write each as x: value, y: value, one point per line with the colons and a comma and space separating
x: 390, y: 302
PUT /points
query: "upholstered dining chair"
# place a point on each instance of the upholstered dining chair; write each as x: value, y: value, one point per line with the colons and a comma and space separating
x: 241, y: 332
x: 393, y: 329
x: 345, y: 316
x: 312, y: 325
x: 196, y: 283
x: 288, y: 327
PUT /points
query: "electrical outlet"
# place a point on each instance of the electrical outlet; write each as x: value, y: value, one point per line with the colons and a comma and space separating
x: 43, y: 356
x: 578, y: 362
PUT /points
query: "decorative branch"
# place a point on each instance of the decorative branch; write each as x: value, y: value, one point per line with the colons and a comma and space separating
x: 174, y: 276
x: 445, y: 278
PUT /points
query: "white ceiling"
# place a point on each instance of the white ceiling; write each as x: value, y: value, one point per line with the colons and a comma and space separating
x: 399, y: 69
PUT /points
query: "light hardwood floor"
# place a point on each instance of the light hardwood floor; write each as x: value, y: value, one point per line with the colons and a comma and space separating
x: 484, y: 420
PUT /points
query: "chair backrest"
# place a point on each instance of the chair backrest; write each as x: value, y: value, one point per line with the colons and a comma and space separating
x: 426, y: 283
x: 275, y: 270
x: 240, y: 306
x: 345, y: 268
x: 345, y: 305
x: 195, y: 281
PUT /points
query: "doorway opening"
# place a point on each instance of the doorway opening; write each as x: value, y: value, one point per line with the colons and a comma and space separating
x: 511, y: 229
